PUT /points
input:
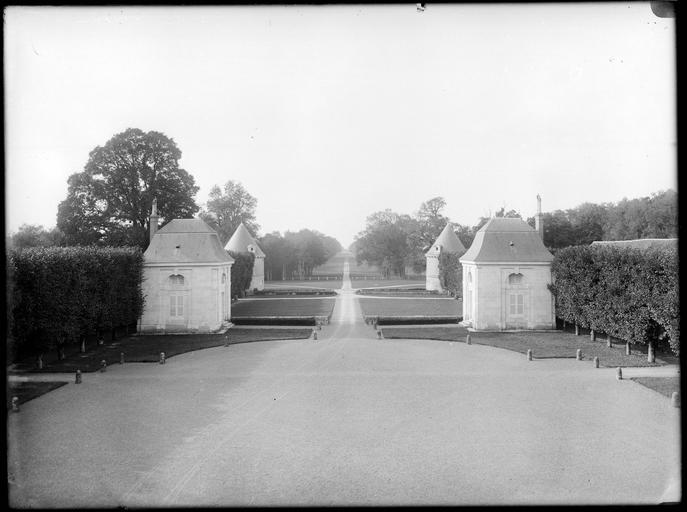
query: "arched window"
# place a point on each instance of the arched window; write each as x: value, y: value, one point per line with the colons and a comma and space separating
x: 224, y: 278
x: 176, y: 280
x: 515, y: 279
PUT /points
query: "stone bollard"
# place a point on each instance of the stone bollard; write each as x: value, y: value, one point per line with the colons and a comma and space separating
x: 592, y: 335
x: 83, y: 346
x: 619, y: 373
x: 596, y: 362
x: 379, y: 334
x: 577, y: 330
x: 651, y: 356
x: 121, y: 358
x: 319, y: 326
x: 162, y: 358
x: 675, y: 399
x: 77, y: 380
x: 468, y: 340
x: 103, y: 365
x: 578, y: 355
x: 628, y: 351
x: 314, y: 334
x: 529, y: 354
x: 609, y: 341
x: 39, y: 362
x: 15, y: 404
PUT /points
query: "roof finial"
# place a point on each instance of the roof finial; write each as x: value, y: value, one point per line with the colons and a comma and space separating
x: 538, y: 203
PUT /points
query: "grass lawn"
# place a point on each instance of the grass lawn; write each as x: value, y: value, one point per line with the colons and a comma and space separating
x: 332, y: 284
x: 247, y: 309
x: 26, y: 391
x: 147, y: 348
x: 542, y: 344
x: 388, y: 308
x: 664, y: 385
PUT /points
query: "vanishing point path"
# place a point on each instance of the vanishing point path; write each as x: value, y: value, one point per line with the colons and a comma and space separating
x: 345, y: 420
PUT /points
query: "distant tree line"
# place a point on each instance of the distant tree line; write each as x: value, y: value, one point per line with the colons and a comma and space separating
x: 294, y: 255
x: 653, y: 216
x: 630, y: 294
x: 395, y: 242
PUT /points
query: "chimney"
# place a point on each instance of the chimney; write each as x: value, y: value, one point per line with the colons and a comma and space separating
x: 538, y: 220
x: 153, y: 220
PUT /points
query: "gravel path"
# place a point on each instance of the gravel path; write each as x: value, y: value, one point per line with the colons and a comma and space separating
x: 345, y: 420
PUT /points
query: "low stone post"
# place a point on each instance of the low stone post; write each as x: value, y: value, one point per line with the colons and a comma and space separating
x: 379, y: 334
x: 15, y: 404
x: 103, y: 366
x: 577, y: 330
x: 619, y: 373
x: 628, y: 351
x: 314, y: 334
x: 675, y: 399
x: 39, y: 362
x: 578, y: 355
x: 83, y: 346
x: 162, y: 358
x: 468, y: 340
x: 319, y: 325
x: 121, y: 358
x: 651, y: 356
x: 529, y: 354
x: 592, y: 335
x: 596, y: 362
x: 77, y: 379
x: 609, y: 341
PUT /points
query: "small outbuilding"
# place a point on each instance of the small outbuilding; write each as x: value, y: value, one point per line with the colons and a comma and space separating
x: 187, y: 279
x: 506, y: 273
x: 243, y: 241
x: 446, y: 242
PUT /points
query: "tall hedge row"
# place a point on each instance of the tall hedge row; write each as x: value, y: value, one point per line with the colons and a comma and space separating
x: 631, y: 294
x: 241, y: 272
x: 57, y: 295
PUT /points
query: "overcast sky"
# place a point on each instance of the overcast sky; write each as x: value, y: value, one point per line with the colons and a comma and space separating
x: 328, y: 114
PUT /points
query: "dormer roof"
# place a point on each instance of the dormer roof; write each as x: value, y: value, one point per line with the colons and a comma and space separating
x: 507, y: 240
x: 186, y: 241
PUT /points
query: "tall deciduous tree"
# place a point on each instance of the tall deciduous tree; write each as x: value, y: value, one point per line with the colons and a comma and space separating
x: 228, y: 207
x: 384, y: 242
x: 110, y: 201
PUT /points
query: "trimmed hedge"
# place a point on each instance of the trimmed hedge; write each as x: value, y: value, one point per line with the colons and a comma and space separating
x: 628, y: 293
x: 60, y: 295
x: 451, y: 273
x: 241, y: 272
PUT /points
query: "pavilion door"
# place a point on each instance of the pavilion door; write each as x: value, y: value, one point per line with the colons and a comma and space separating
x: 516, y: 309
x: 178, y: 307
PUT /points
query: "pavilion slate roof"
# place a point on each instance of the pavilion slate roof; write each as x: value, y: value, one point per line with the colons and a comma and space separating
x: 448, y: 241
x: 240, y: 241
x: 507, y: 240
x: 186, y: 241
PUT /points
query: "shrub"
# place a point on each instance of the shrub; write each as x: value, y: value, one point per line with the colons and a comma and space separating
x: 628, y: 293
x: 451, y: 273
x: 241, y: 272
x: 61, y: 294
